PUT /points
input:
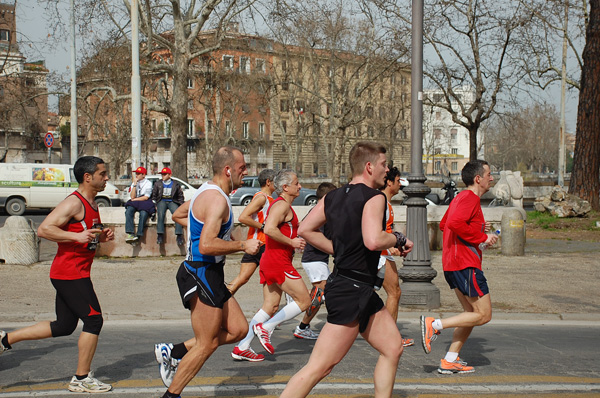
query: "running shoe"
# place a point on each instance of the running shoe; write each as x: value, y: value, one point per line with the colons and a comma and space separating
x: 316, y: 299
x: 408, y: 342
x: 264, y: 336
x: 428, y: 333
x: 448, y: 368
x: 168, y: 373
x: 2, y: 347
x: 246, y: 355
x: 162, y: 352
x: 307, y: 334
x: 180, y: 241
x: 131, y: 238
x: 89, y: 384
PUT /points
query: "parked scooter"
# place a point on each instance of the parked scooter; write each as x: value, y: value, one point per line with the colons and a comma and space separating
x: 451, y: 191
x: 433, y: 199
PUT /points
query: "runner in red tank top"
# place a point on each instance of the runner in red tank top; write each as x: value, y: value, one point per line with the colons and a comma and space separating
x: 277, y: 274
x: 75, y: 225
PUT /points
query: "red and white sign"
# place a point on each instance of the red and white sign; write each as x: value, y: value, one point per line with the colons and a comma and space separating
x: 49, y: 140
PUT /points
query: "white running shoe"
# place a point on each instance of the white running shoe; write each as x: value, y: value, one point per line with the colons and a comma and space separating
x: 307, y: 334
x: 89, y: 384
x: 2, y: 347
x: 162, y: 352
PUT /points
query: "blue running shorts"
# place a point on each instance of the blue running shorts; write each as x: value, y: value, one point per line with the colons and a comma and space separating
x: 469, y: 281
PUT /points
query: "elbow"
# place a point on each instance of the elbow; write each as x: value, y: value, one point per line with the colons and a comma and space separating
x: 302, y: 231
x: 371, y: 244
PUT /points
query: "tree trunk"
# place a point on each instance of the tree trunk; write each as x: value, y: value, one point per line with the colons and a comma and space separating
x: 473, y: 143
x: 585, y: 178
x: 179, y: 119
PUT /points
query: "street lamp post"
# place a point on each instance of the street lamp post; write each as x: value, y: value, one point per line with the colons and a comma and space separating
x: 136, y: 102
x: 417, y: 273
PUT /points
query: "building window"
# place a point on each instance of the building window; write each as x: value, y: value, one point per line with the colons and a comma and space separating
x: 190, y: 104
x: 190, y: 127
x: 455, y: 151
x: 285, y: 86
x: 167, y: 127
x: 190, y: 83
x: 227, y: 85
x: 4, y: 35
x: 284, y: 105
x: 437, y: 133
x: 454, y: 166
x: 228, y: 127
x: 438, y: 165
x: 245, y: 133
x: 453, y: 134
x: 244, y: 65
x: 154, y: 125
x: 261, y: 130
x: 315, y: 168
x: 261, y: 150
x: 228, y: 62
x: 260, y: 65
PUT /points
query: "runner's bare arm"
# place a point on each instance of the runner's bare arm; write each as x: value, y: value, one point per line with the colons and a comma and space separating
x: 211, y: 208
x: 374, y: 236
x: 309, y: 228
x: 278, y: 213
x: 253, y: 207
x: 181, y: 214
x: 51, y: 227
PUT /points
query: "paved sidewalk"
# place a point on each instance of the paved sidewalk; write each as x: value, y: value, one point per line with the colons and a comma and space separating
x: 553, y: 281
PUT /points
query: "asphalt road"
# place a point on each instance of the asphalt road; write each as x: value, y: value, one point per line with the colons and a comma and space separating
x: 510, y: 357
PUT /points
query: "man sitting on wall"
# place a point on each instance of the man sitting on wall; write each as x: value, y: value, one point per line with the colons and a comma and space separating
x: 140, y: 192
x: 167, y: 194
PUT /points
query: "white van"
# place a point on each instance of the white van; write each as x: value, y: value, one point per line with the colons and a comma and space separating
x: 43, y: 186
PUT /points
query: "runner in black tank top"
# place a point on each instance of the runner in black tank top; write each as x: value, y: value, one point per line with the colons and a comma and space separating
x: 355, y: 214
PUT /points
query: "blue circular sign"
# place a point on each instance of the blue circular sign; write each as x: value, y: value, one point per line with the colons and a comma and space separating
x: 49, y: 140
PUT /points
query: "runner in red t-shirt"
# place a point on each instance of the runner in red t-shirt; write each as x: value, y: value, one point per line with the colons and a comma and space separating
x: 75, y: 225
x: 464, y: 230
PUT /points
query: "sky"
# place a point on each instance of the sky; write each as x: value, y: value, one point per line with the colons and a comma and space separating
x: 34, y: 28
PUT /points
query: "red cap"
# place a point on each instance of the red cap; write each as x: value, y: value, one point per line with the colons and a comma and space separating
x: 141, y: 170
x: 166, y: 170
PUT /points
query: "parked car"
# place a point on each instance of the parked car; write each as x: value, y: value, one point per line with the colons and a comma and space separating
x: 188, y: 190
x: 243, y: 195
x: 43, y: 186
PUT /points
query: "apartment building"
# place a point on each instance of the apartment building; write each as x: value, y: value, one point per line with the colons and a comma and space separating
x: 274, y: 102
x: 23, y: 98
x: 445, y: 142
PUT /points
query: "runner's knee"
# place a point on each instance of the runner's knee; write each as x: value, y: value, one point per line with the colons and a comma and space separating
x: 62, y: 328
x: 93, y: 324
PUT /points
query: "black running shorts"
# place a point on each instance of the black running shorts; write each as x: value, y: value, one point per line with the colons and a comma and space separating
x: 347, y: 301
x: 207, y: 280
x: 253, y: 258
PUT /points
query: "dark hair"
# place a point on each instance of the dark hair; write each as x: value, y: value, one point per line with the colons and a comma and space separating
x: 363, y: 152
x: 224, y: 157
x: 266, y: 174
x: 324, y: 188
x: 86, y: 164
x: 472, y: 169
x: 391, y: 175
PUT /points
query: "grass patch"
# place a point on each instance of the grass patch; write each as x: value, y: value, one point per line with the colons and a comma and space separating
x: 541, y: 219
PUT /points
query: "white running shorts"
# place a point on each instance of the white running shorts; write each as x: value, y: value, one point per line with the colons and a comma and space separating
x: 316, y: 271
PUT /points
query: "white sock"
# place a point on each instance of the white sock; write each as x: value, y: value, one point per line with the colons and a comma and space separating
x: 451, y: 356
x: 260, y: 316
x: 288, y: 312
x: 437, y: 324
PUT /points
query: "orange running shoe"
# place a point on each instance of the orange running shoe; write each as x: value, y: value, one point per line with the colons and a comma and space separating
x: 428, y: 333
x: 408, y: 342
x: 448, y: 368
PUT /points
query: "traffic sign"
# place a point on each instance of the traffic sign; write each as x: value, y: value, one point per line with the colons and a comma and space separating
x: 49, y: 140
